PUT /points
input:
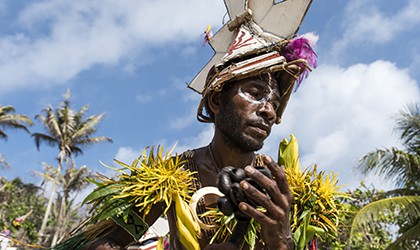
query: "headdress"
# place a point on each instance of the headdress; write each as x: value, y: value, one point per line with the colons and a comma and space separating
x: 259, y: 38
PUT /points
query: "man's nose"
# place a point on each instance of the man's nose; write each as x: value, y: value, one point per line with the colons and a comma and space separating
x: 267, y: 111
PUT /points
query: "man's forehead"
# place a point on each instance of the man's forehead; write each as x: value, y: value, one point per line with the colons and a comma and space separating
x: 259, y: 81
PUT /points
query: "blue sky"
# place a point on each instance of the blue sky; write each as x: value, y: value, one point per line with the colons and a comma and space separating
x: 132, y: 59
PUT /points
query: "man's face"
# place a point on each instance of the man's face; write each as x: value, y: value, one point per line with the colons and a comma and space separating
x: 247, y: 113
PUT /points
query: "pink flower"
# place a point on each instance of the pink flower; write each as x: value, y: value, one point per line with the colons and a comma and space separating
x: 20, y: 219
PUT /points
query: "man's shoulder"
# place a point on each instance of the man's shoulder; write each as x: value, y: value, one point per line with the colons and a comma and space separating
x: 196, y: 158
x: 193, y: 153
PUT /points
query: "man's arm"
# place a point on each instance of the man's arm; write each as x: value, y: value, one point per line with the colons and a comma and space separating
x: 275, y: 225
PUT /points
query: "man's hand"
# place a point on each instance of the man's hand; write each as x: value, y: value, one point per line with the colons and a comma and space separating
x: 275, y: 225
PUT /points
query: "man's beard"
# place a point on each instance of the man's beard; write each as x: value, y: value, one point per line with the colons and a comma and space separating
x: 233, y: 134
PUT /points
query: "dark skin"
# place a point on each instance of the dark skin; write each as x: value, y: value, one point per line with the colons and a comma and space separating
x: 256, y: 117
x: 243, y: 119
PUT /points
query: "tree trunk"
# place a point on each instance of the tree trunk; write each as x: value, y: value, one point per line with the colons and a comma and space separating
x: 47, y: 214
x: 50, y: 201
x: 61, y: 216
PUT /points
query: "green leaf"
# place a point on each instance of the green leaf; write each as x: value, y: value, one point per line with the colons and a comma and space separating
x: 311, y: 231
x: 296, y: 236
x: 101, y: 192
x: 288, y: 154
x: 112, y: 208
x: 411, y: 234
x: 371, y: 211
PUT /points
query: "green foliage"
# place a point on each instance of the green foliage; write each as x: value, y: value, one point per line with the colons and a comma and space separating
x: 400, y: 207
x: 385, y: 207
x: 69, y: 130
x: 400, y: 165
x: 12, y: 121
x: 375, y: 235
x: 18, y: 199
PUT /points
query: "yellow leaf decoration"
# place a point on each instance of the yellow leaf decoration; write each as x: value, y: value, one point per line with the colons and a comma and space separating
x: 316, y: 203
x: 152, y: 178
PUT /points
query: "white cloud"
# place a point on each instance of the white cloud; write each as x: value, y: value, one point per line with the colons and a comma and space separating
x: 340, y: 114
x: 144, y: 97
x: 184, y: 121
x: 190, y: 97
x: 201, y: 140
x: 365, y: 23
x: 76, y: 35
x: 127, y: 154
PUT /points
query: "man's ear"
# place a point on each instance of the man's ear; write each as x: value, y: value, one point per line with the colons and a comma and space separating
x: 214, y: 102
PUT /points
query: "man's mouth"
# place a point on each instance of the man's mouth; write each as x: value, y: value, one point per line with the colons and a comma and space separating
x: 261, y: 128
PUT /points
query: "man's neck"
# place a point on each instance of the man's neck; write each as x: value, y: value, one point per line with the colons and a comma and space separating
x: 226, y: 155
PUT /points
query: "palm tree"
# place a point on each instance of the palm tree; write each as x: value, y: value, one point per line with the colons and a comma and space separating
x: 403, y: 167
x: 13, y: 121
x: 73, y: 180
x: 69, y: 131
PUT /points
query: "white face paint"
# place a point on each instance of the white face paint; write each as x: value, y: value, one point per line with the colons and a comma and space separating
x: 259, y: 98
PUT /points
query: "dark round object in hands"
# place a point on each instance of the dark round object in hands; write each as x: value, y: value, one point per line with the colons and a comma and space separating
x: 226, y: 205
x: 228, y: 183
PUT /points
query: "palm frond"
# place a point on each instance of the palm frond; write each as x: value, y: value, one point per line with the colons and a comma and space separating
x: 76, y: 150
x: 12, y: 121
x: 3, y: 162
x: 15, y: 121
x: 88, y: 127
x: 412, y: 234
x: 50, y: 173
x: 81, y: 112
x: 374, y: 210
x: 75, y: 178
x: 94, y: 140
x: 67, y: 128
x: 7, y: 109
x: 50, y: 121
x: 402, y: 192
x: 39, y: 137
x: 66, y: 120
x: 392, y: 164
x: 3, y: 134
x: 13, y: 124
x: 408, y: 124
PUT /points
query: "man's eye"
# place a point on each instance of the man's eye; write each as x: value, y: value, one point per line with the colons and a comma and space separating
x: 254, y: 93
x: 276, y: 105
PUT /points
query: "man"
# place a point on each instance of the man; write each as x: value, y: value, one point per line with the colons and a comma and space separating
x: 243, y: 113
x: 245, y: 91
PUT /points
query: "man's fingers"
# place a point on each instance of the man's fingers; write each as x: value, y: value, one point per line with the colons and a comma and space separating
x: 269, y: 185
x: 279, y: 174
x: 274, y: 204
x: 254, y: 213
